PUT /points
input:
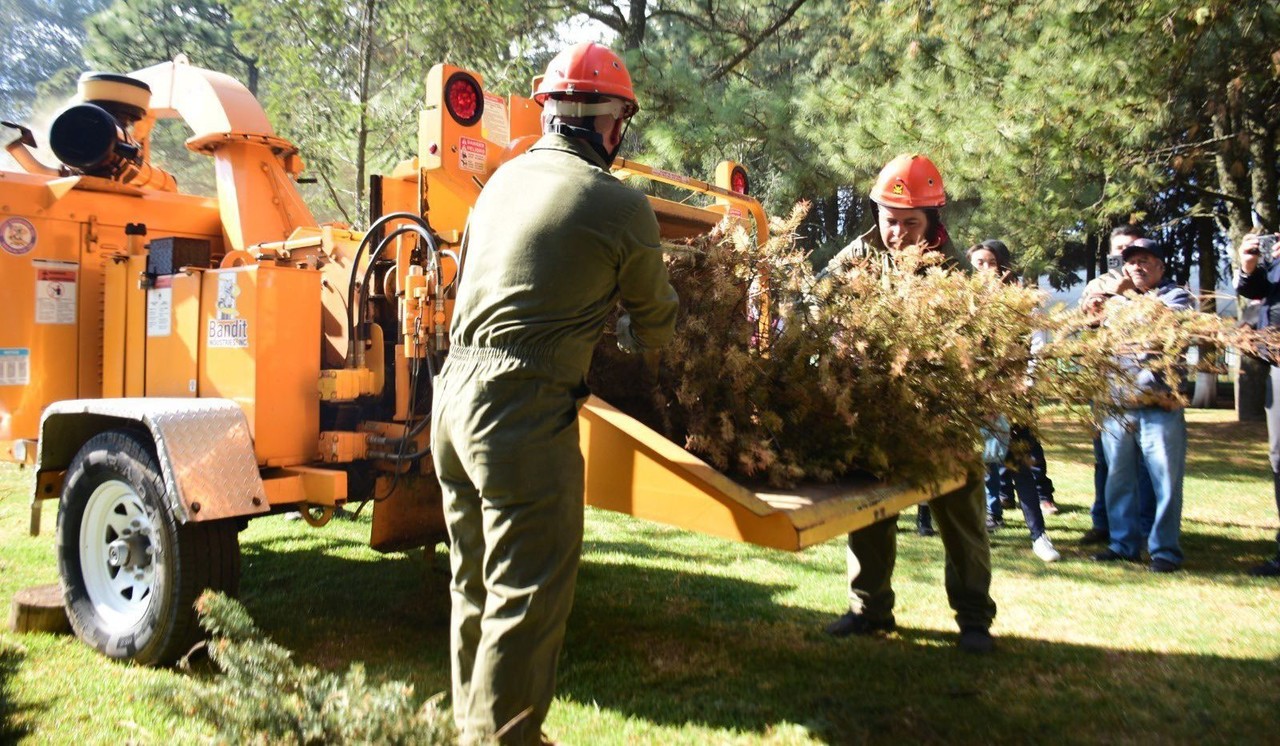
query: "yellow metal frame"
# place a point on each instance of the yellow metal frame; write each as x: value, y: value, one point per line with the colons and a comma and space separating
x: 634, y: 470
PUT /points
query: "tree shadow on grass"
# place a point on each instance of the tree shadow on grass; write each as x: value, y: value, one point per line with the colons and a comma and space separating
x: 10, y: 730
x: 675, y: 649
x: 685, y: 647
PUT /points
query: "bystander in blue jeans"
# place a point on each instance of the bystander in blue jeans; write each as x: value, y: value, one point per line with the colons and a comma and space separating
x: 1024, y: 486
x: 1146, y: 496
x: 1157, y: 437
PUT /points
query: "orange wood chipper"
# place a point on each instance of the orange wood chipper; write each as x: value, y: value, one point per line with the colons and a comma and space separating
x: 172, y: 365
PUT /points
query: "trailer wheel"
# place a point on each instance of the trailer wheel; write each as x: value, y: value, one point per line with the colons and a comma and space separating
x: 130, y: 572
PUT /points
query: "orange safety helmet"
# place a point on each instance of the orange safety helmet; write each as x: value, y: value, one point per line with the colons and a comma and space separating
x: 909, y: 182
x: 588, y: 68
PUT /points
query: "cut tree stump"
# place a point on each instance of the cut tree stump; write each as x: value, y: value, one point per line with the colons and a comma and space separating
x: 39, y: 609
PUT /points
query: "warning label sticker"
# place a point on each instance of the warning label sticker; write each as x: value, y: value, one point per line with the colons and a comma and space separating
x: 160, y: 307
x: 471, y: 154
x: 495, y: 124
x: 56, y: 292
x: 15, y: 366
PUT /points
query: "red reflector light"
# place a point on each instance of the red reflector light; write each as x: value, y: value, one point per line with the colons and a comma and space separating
x: 738, y: 181
x: 463, y: 99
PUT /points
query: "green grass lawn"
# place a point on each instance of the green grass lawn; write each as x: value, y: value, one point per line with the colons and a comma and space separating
x: 679, y: 638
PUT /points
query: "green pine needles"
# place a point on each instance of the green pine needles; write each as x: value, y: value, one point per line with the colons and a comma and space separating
x: 893, y: 368
x: 264, y: 697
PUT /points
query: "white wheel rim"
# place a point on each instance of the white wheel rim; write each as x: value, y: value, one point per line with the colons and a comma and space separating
x: 116, y: 525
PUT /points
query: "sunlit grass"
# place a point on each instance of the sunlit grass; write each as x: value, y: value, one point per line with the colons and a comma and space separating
x: 679, y: 638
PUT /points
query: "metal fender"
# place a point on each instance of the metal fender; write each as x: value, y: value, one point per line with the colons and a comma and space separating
x: 203, y: 446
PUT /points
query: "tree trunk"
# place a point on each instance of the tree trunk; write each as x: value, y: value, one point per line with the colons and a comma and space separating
x: 368, y: 32
x: 1251, y: 375
x: 1206, y: 391
x: 1262, y: 160
x: 633, y: 38
x: 1094, y: 268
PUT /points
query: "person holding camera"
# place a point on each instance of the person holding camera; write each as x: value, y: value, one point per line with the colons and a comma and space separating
x: 1259, y: 279
x: 1150, y: 431
x: 1114, y: 282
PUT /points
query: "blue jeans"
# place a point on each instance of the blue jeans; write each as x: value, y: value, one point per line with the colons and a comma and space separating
x: 1146, y: 496
x: 1039, y: 472
x: 1024, y: 484
x: 1158, y: 438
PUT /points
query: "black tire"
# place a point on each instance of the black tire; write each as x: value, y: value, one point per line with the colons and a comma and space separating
x: 130, y: 572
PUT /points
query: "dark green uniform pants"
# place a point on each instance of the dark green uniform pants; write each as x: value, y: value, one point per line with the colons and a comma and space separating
x: 961, y: 520
x: 510, y: 466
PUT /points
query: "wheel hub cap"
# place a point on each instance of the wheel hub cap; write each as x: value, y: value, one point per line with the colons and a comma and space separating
x: 119, y: 558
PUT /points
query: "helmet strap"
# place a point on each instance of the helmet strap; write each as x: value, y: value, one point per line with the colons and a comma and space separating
x: 593, y: 138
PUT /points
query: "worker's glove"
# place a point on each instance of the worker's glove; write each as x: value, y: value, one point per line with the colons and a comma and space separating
x: 627, y: 341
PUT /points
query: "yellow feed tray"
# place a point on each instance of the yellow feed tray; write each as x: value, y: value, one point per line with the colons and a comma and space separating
x: 632, y: 469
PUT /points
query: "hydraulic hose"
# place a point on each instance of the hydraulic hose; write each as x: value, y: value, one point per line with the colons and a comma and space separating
x: 355, y: 267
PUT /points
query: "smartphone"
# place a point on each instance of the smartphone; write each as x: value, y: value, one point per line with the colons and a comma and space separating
x: 1266, y: 244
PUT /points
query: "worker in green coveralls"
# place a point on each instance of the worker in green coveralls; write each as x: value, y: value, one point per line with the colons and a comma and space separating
x: 554, y: 244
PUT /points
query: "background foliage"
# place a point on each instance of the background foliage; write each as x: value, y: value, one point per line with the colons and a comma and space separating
x: 1051, y: 121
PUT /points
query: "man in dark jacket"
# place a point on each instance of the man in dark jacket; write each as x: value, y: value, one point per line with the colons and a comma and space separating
x: 1112, y: 283
x: 1152, y: 430
x: 1259, y: 279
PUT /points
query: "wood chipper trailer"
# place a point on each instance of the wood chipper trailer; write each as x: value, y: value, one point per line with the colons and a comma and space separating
x: 172, y: 365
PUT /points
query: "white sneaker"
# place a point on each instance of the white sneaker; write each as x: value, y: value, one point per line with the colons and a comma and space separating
x: 1044, y: 549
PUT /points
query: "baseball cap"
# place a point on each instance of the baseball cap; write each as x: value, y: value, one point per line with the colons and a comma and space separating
x: 1143, y: 244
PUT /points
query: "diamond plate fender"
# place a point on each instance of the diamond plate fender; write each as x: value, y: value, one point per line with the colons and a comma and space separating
x: 203, y: 445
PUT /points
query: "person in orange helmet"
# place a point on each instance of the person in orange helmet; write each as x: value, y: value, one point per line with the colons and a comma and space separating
x: 556, y: 243
x: 907, y: 199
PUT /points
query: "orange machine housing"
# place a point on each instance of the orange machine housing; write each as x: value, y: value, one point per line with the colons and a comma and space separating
x: 260, y: 347
x: 58, y: 237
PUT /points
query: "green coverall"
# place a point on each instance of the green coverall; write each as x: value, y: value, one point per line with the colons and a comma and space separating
x: 960, y: 518
x: 554, y: 243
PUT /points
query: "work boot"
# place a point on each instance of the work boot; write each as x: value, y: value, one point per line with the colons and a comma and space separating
x: 1268, y: 569
x: 924, y: 521
x: 1113, y: 556
x: 1095, y: 536
x: 853, y: 623
x: 975, y: 640
x: 1161, y: 565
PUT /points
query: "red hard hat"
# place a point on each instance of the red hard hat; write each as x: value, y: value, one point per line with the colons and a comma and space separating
x: 909, y: 182
x: 588, y: 68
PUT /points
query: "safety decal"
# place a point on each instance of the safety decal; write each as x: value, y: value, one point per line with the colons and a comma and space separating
x: 228, y: 329
x: 15, y: 366
x: 494, y: 124
x: 471, y: 154
x: 56, y: 291
x: 17, y: 236
x: 160, y: 307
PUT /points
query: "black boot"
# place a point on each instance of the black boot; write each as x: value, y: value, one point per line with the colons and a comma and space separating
x: 1271, y: 568
x: 924, y: 521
